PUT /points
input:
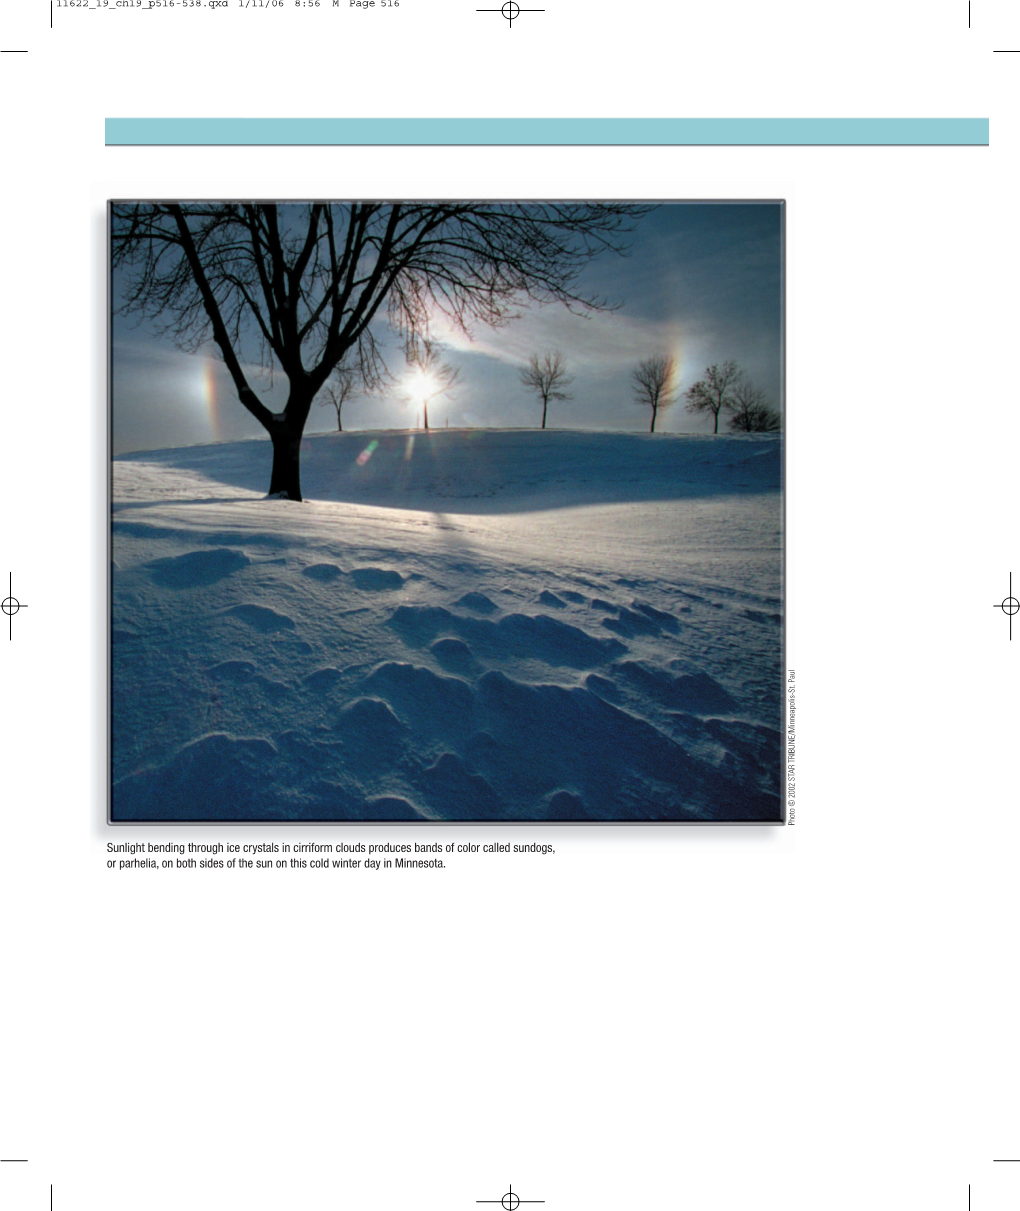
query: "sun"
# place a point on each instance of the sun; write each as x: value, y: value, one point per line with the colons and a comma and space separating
x: 421, y: 385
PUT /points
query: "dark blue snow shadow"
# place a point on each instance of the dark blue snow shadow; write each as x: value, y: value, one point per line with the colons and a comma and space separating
x: 621, y: 766
x: 606, y: 468
x: 759, y: 616
x: 455, y: 792
x: 197, y: 568
x: 630, y: 624
x: 376, y: 580
x: 325, y: 572
x: 515, y: 635
x: 374, y: 738
x: 549, y: 598
x: 477, y: 602
x: 695, y: 692
x: 371, y: 580
x: 425, y: 700
x: 667, y: 621
x: 563, y: 805
x: 603, y: 687
x: 454, y: 655
x: 754, y: 744
x: 321, y: 681
x: 299, y: 777
x: 216, y: 777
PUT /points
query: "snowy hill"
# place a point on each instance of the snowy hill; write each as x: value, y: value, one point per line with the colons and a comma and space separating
x: 458, y: 625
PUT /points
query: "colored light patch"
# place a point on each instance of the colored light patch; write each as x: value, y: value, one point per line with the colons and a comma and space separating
x: 367, y: 453
x: 212, y: 399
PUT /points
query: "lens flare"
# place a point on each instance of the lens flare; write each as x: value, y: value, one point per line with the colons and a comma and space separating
x: 367, y: 453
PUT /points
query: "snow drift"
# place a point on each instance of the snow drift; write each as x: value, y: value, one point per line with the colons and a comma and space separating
x: 456, y: 625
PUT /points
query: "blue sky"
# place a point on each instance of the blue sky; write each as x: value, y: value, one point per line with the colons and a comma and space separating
x: 703, y: 282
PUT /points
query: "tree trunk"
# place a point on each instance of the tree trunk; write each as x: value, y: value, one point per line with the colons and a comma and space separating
x: 286, y: 477
x: 545, y: 409
x: 654, y: 410
x: 339, y: 424
x: 286, y: 430
x: 717, y: 422
x: 426, y: 405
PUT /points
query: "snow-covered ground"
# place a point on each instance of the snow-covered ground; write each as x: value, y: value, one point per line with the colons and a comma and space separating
x: 456, y: 625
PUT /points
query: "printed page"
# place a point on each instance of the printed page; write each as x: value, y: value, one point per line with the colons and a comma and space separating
x: 507, y: 513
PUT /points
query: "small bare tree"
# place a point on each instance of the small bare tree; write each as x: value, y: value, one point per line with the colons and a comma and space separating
x: 430, y: 375
x: 655, y: 384
x: 547, y: 376
x: 713, y: 392
x: 339, y: 387
x: 750, y: 411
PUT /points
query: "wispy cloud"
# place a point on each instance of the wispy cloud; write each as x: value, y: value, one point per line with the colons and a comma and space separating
x: 600, y: 341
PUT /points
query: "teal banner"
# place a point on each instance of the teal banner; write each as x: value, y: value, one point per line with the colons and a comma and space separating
x: 537, y: 132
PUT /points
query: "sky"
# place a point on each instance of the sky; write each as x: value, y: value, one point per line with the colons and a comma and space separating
x: 701, y: 282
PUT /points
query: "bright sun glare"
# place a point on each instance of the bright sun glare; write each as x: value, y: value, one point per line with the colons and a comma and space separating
x: 421, y: 385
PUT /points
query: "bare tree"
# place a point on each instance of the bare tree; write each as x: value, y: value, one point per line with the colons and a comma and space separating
x: 298, y: 286
x: 338, y: 389
x: 713, y: 392
x: 750, y: 411
x: 430, y: 375
x: 547, y: 376
x: 655, y: 384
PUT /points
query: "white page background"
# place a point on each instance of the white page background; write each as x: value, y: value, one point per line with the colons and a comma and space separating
x: 812, y: 1017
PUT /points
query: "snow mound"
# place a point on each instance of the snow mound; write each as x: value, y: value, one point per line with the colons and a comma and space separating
x: 376, y: 579
x: 325, y: 572
x: 214, y: 777
x: 261, y: 618
x: 197, y: 567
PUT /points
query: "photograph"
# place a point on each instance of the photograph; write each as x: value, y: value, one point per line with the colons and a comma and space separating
x: 446, y: 512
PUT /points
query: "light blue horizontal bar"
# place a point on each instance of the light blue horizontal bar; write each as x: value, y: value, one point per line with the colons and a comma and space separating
x: 705, y: 132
